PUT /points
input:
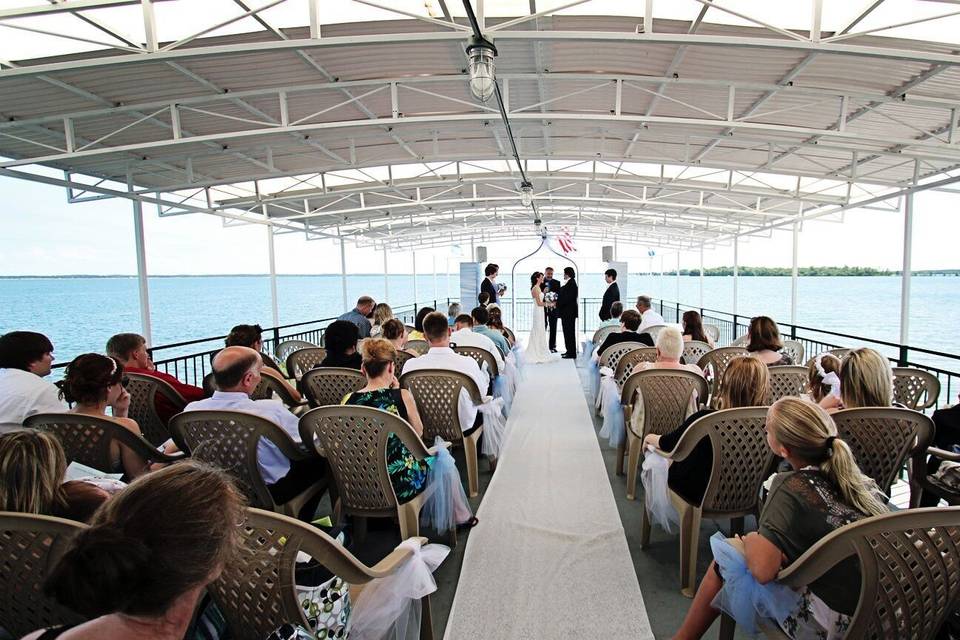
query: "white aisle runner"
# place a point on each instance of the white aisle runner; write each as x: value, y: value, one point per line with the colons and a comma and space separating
x: 549, y: 558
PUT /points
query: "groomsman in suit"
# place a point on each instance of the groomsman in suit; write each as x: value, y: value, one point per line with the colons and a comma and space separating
x: 489, y: 283
x: 611, y: 295
x: 550, y: 285
x: 568, y: 311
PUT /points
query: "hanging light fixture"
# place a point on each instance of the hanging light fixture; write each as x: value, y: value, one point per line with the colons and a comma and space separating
x: 526, y: 193
x: 481, y: 67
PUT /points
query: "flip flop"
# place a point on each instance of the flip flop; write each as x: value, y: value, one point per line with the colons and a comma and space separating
x: 469, y: 524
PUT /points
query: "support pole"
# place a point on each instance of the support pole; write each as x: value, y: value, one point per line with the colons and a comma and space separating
x: 905, y: 277
x: 793, y: 275
x: 736, y: 273
x: 386, y: 276
x: 677, y: 282
x: 274, y: 306
x: 142, y: 283
x: 434, y: 278
x: 343, y: 271
x: 416, y: 296
x: 701, y: 276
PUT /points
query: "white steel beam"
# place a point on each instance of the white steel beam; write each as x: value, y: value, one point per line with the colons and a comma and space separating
x: 907, y: 269
x: 143, y: 285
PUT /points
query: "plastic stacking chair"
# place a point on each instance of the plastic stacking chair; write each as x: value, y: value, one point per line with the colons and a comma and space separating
x: 601, y: 334
x: 741, y: 462
x: 694, y: 350
x: 329, y: 385
x: 302, y: 360
x: 840, y: 352
x: 256, y: 592
x: 353, y: 439
x: 908, y: 573
x: 30, y: 546
x: 610, y: 357
x: 794, y: 350
x: 286, y: 347
x: 665, y: 396
x: 713, y: 331
x: 714, y: 363
x: 629, y: 362
x: 419, y: 347
x: 915, y: 388
x: 742, y: 341
x: 933, y: 484
x: 143, y: 405
x: 511, y: 335
x: 786, y: 381
x: 437, y: 394
x: 399, y: 360
x: 654, y: 331
x: 883, y: 440
x: 87, y: 439
x: 229, y: 440
x: 481, y: 356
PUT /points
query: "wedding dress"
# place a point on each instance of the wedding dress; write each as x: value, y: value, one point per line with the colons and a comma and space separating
x: 537, y: 350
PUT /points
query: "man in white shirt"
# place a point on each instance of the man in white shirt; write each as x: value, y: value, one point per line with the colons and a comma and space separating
x: 465, y: 336
x: 441, y: 356
x: 25, y: 358
x: 236, y: 370
x: 648, y: 317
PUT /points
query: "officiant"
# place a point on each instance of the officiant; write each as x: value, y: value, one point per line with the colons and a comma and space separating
x: 551, y: 285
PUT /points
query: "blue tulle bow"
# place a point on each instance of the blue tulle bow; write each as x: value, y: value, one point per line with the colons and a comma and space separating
x: 443, y: 483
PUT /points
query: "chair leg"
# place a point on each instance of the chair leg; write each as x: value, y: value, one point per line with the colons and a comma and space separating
x: 426, y: 619
x: 473, y: 471
x: 621, y: 454
x: 644, y: 528
x: 408, y: 515
x: 633, y: 466
x: 689, y: 546
x: 727, y: 627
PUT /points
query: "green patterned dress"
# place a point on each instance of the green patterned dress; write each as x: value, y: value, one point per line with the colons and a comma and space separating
x: 407, y: 474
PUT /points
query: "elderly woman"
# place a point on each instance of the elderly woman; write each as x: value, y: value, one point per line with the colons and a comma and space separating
x: 765, y: 343
x: 669, y: 351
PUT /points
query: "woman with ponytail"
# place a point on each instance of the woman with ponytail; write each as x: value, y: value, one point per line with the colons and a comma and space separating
x: 141, y: 567
x: 824, y: 491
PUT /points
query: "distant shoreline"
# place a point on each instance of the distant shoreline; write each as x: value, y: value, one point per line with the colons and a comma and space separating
x: 745, y: 272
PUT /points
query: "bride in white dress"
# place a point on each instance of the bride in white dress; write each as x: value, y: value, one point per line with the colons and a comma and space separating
x: 537, y: 350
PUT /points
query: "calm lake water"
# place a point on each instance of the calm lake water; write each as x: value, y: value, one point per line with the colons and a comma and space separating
x: 79, y: 314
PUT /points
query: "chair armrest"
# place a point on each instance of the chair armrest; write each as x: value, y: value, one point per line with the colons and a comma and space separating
x: 172, y: 457
x: 949, y: 456
x: 433, y: 450
x: 393, y: 561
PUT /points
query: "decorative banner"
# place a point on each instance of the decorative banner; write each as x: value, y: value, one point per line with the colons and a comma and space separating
x: 565, y: 240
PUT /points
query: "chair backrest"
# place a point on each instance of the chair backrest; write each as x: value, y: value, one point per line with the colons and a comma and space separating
x: 665, y: 394
x: 302, y: 360
x: 794, y: 350
x: 840, y: 352
x: 511, y: 335
x: 601, y: 334
x: 742, y: 460
x: 353, y: 439
x: 86, y: 439
x: 228, y: 440
x: 481, y: 356
x: 269, y: 387
x: 286, y: 347
x: 629, y: 361
x: 329, y: 385
x: 915, y: 388
x: 654, y: 331
x: 30, y: 546
x: 437, y: 393
x: 909, y: 581
x: 786, y: 381
x: 713, y: 331
x: 419, y: 347
x: 715, y: 362
x: 409, y: 328
x: 256, y: 592
x: 610, y: 357
x: 742, y: 341
x: 694, y: 350
x: 882, y: 438
x: 399, y: 360
x: 143, y: 391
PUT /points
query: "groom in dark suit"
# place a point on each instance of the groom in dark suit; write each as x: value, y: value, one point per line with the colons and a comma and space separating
x: 611, y: 295
x: 551, y: 286
x: 487, y: 285
x: 568, y: 310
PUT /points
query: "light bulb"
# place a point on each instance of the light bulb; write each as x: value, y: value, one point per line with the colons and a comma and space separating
x: 526, y: 194
x: 482, y: 68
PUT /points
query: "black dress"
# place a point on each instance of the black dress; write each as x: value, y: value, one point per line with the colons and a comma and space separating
x: 689, y: 477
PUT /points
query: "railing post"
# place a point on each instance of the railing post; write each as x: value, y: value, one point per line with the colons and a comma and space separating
x: 678, y: 313
x: 276, y: 338
x: 734, y: 337
x: 793, y: 332
x: 584, y: 312
x: 903, y: 359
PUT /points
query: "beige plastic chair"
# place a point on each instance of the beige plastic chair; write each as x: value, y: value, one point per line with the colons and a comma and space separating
x: 694, y: 350
x: 742, y: 460
x: 601, y: 334
x: 742, y: 341
x: 399, y: 360
x: 257, y: 590
x: 666, y: 396
x: 143, y: 391
x: 933, y: 484
x: 915, y: 388
x: 786, y: 381
x: 353, y: 439
x: 229, y: 440
x: 654, y: 331
x: 714, y: 363
x: 511, y: 335
x: 883, y: 440
x: 629, y: 361
x: 418, y: 347
x: 302, y: 360
x: 908, y: 572
x: 610, y: 357
x: 271, y: 388
x: 840, y: 352
x: 86, y: 439
x: 329, y: 385
x: 286, y: 347
x: 437, y: 394
x: 713, y: 331
x: 794, y: 350
x: 481, y: 356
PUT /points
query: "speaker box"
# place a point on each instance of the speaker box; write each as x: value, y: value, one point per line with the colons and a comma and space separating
x: 607, y: 253
x: 481, y: 254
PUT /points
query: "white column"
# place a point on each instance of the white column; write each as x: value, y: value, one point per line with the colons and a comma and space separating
x: 660, y: 281
x: 736, y: 271
x: 793, y: 274
x: 434, y: 277
x: 701, y: 276
x: 907, y: 267
x: 274, y: 306
x: 416, y: 295
x: 677, y: 279
x: 343, y: 271
x: 448, y: 278
x: 143, y: 285
x: 386, y: 276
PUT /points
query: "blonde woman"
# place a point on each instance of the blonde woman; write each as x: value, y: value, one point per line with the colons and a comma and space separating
x: 866, y: 380
x: 824, y: 491
x: 381, y: 313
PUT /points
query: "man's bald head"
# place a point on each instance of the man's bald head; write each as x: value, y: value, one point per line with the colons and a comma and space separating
x: 236, y: 368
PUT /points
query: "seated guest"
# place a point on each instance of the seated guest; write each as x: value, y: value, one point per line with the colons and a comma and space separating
x: 465, y: 336
x: 946, y: 436
x: 496, y: 323
x: 629, y: 323
x: 648, y: 317
x: 669, y: 351
x: 142, y: 567
x: 407, y: 474
x: 481, y: 316
x: 396, y: 333
x: 359, y: 315
x: 823, y: 380
x: 866, y: 380
x: 765, y: 343
x: 236, y: 370
x: 92, y: 383
x: 483, y: 299
x: 340, y: 339
x: 251, y: 335
x: 693, y: 328
x: 130, y: 350
x: 33, y: 468
x: 25, y: 358
x: 441, y: 356
x: 417, y: 333
x: 452, y: 312
x: 616, y: 309
x: 744, y: 384
x: 824, y: 491
x: 381, y: 313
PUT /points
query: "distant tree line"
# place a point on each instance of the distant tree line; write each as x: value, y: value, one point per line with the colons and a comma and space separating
x: 808, y: 271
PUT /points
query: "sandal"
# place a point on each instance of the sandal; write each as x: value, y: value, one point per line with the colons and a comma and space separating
x: 469, y: 524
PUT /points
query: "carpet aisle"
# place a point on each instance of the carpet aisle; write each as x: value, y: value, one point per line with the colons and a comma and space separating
x: 549, y: 558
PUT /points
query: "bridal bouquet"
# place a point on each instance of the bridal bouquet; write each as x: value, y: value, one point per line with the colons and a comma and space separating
x: 501, y: 289
x: 550, y: 298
